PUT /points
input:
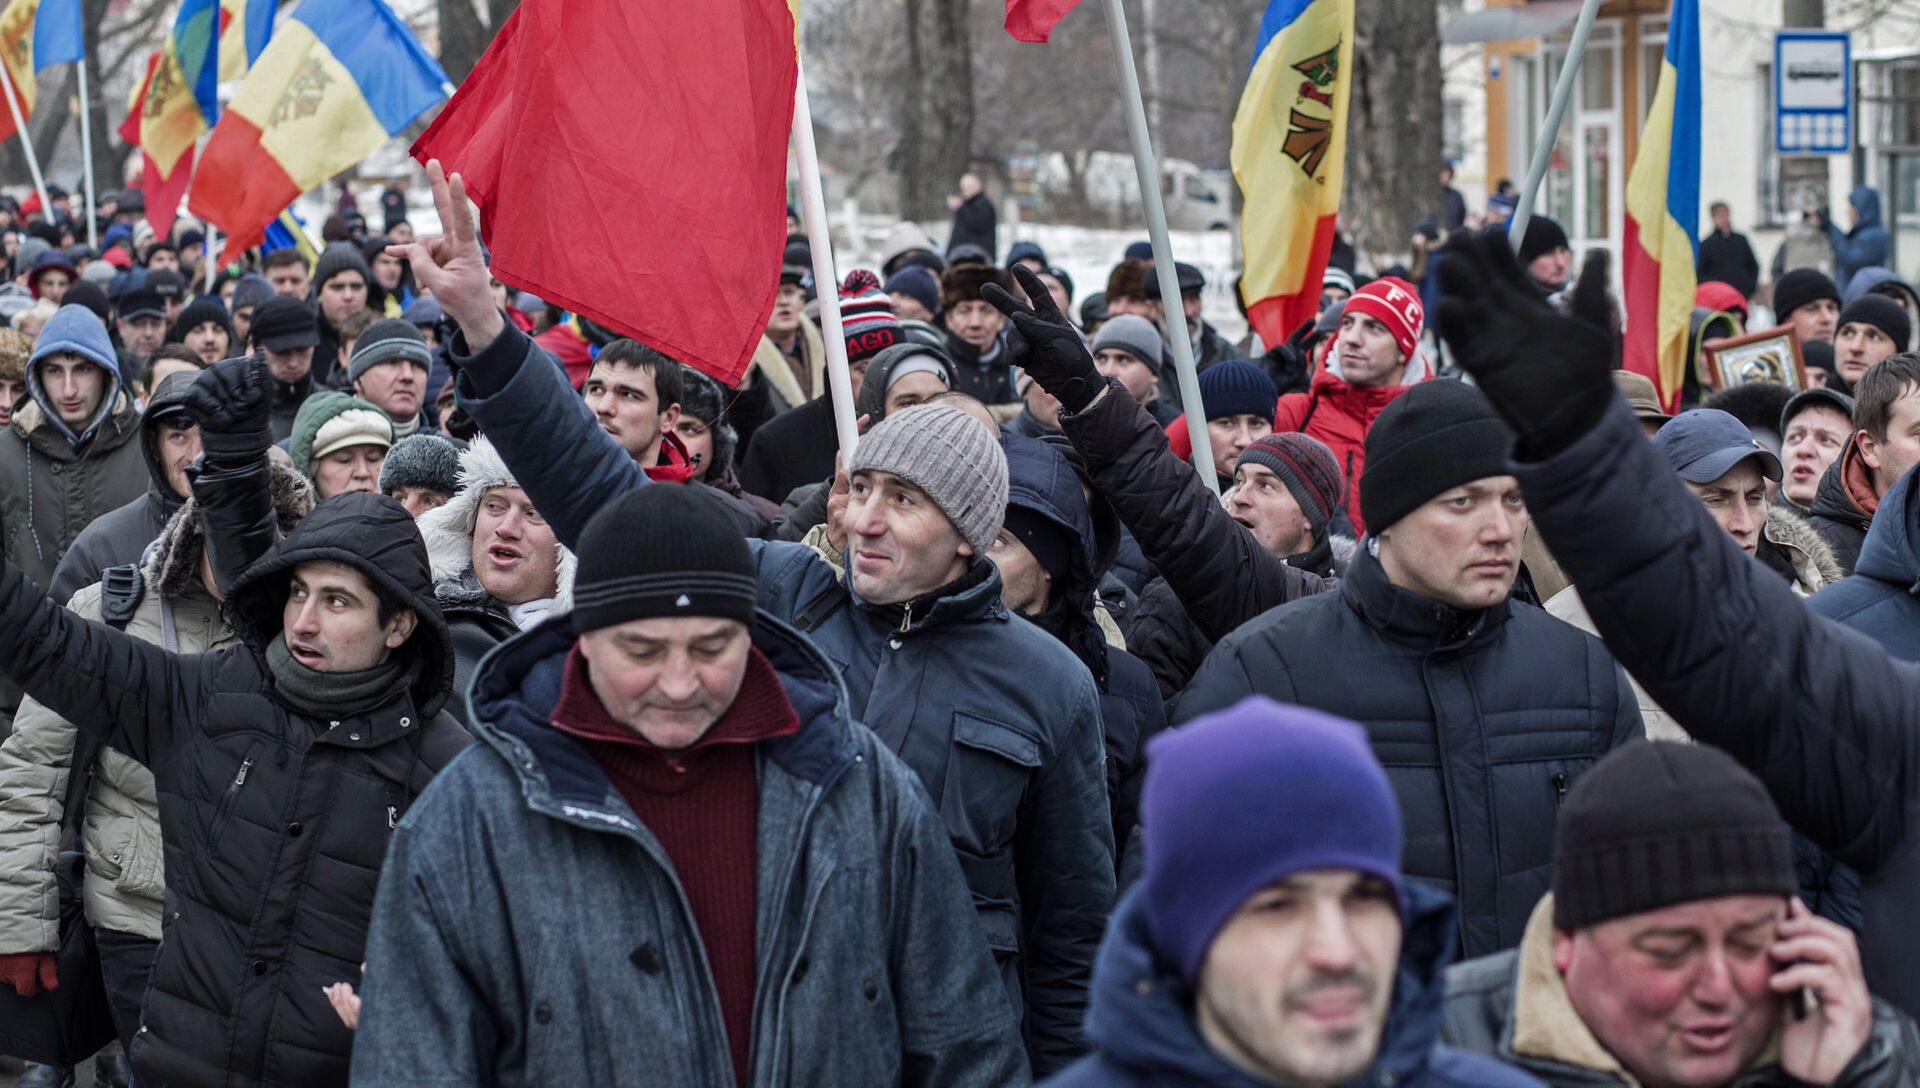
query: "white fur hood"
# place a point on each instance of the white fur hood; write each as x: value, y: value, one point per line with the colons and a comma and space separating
x: 448, y: 530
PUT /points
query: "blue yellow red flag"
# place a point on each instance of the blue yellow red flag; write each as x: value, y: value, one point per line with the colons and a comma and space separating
x: 1289, y: 156
x: 16, y: 52
x: 338, y: 79
x: 1663, y: 215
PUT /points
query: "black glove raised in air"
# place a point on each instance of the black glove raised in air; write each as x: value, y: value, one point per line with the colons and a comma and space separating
x: 1055, y: 355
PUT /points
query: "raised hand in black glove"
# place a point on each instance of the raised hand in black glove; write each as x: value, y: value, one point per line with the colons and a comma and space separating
x: 1056, y: 356
x: 1548, y: 372
x: 232, y: 402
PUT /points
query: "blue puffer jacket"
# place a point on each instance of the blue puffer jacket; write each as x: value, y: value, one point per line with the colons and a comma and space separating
x: 1040, y: 479
x: 529, y: 929
x: 1483, y: 720
x: 1141, y: 1020
x: 1882, y: 599
x: 1000, y: 721
x: 1866, y: 244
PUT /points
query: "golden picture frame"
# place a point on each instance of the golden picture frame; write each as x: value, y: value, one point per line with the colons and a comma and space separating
x: 1770, y: 355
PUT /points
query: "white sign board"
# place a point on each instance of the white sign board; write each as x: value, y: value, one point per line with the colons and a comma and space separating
x: 1812, y: 93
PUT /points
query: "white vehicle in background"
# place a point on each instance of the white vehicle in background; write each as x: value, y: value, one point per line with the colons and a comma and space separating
x: 1196, y: 198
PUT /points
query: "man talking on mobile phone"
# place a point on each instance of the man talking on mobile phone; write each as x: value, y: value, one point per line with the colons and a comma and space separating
x: 1672, y: 952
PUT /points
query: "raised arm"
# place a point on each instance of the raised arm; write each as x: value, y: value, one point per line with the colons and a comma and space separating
x: 231, y: 402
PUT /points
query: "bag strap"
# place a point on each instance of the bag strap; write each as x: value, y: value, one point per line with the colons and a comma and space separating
x: 121, y: 590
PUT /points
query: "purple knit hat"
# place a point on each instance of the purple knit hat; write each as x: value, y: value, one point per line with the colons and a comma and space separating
x: 1240, y: 798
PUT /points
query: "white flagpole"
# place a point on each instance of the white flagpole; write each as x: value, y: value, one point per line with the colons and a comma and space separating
x: 20, y: 126
x: 212, y: 255
x: 813, y: 207
x: 86, y: 159
x: 1163, y: 267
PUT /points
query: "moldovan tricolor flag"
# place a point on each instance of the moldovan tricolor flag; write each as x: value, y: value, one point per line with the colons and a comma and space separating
x: 162, y: 120
x: 1663, y: 215
x: 1033, y: 20
x: 338, y: 79
x: 16, y: 51
x: 629, y: 158
x: 1289, y: 155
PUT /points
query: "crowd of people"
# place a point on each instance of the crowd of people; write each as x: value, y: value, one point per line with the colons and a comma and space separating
x: 408, y: 682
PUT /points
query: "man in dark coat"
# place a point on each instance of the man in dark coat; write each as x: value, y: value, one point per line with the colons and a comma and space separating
x: 171, y: 440
x: 282, y: 763
x: 1885, y: 443
x: 1209, y: 347
x: 1273, y: 940
x: 930, y: 656
x: 1819, y: 713
x: 1682, y: 970
x: 285, y: 332
x: 1454, y: 680
x: 689, y: 767
x: 1726, y: 256
x: 974, y: 220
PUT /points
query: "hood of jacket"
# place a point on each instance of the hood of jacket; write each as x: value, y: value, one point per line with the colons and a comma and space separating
x: 872, y: 400
x: 514, y: 692
x: 374, y: 535
x: 1891, y: 553
x: 1140, y: 1012
x: 1875, y: 277
x: 171, y: 564
x: 448, y: 529
x: 1866, y: 200
x: 1040, y: 480
x: 1807, y: 555
x: 76, y: 330
x: 1845, y: 493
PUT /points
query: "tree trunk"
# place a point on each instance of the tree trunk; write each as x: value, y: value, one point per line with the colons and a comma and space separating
x: 463, y: 37
x: 936, y: 130
x: 1393, y: 127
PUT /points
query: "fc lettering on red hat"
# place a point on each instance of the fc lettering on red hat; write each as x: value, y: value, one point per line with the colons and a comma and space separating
x: 1394, y: 303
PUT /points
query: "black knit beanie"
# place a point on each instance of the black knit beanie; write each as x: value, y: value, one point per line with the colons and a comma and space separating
x: 1882, y: 313
x: 1047, y: 539
x: 1543, y: 236
x: 662, y: 550
x: 1800, y: 286
x: 1434, y: 437
x: 1655, y: 824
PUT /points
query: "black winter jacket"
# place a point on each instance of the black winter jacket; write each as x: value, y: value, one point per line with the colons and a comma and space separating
x: 1835, y: 515
x: 285, y: 405
x: 1825, y: 716
x: 1882, y: 599
x: 975, y: 223
x: 121, y: 536
x: 1221, y: 575
x: 274, y: 824
x: 791, y: 450
x: 1483, y: 720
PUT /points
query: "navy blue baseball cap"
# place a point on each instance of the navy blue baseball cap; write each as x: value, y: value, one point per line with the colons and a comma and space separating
x: 1704, y: 445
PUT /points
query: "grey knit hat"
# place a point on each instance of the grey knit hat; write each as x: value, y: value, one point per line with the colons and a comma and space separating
x: 421, y: 460
x: 1134, y: 335
x: 384, y: 341
x: 947, y: 454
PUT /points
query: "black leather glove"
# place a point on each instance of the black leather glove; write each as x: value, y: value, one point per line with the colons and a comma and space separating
x: 1548, y: 372
x: 1055, y: 355
x: 232, y: 402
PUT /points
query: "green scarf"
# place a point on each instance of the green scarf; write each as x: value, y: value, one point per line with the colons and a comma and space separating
x: 328, y: 695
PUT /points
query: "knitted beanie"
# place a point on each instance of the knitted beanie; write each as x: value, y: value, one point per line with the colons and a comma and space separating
x: 1336, y: 277
x: 918, y: 283
x: 866, y: 316
x: 662, y: 551
x: 339, y: 257
x: 197, y: 313
x: 1543, y: 236
x: 92, y: 297
x: 421, y: 460
x: 1394, y: 303
x: 1136, y: 336
x: 252, y: 290
x: 947, y: 454
x: 1655, y: 824
x: 384, y: 341
x: 1236, y: 387
x: 332, y: 420
x: 1882, y: 313
x: 1800, y: 286
x: 1434, y: 437
x: 1243, y: 797
x: 1307, y: 467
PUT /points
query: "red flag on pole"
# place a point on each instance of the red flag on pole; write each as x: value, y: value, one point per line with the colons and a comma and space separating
x: 629, y: 160
x: 1033, y: 20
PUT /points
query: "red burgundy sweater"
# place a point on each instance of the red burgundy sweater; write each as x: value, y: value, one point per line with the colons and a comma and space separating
x: 703, y: 803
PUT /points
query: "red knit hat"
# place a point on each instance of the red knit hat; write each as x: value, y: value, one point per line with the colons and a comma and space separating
x: 866, y: 316
x: 1394, y: 303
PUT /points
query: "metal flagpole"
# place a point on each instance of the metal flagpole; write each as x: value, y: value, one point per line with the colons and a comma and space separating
x: 20, y: 126
x: 813, y: 209
x: 212, y: 257
x: 1543, y: 146
x: 86, y: 160
x: 1176, y: 316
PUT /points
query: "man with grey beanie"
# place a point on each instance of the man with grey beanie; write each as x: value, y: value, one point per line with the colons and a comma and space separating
x: 1000, y: 721
x: 1130, y: 349
x: 389, y: 370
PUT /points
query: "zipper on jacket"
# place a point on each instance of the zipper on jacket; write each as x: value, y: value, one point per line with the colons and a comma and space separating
x: 225, y: 808
x: 906, y: 617
x: 1559, y: 788
x: 393, y: 817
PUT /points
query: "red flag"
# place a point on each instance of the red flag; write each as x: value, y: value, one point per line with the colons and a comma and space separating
x: 162, y: 192
x: 629, y: 160
x: 1033, y: 20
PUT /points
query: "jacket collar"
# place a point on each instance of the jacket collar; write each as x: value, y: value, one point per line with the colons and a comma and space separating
x: 1408, y: 617
x: 974, y: 595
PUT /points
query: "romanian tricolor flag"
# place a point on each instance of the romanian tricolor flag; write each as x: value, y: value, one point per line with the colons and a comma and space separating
x: 339, y: 78
x: 1289, y: 155
x: 1663, y: 215
x: 16, y: 51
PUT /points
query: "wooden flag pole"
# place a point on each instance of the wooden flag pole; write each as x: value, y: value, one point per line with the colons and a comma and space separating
x: 813, y: 207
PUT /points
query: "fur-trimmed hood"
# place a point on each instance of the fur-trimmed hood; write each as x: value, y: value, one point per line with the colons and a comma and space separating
x: 448, y: 530
x: 1812, y: 559
x: 171, y: 563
